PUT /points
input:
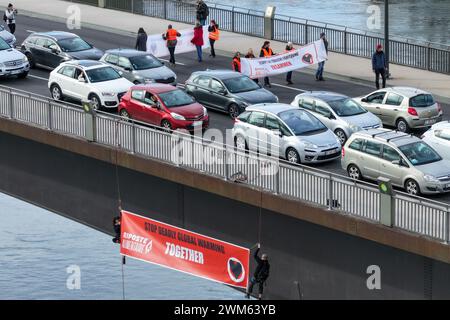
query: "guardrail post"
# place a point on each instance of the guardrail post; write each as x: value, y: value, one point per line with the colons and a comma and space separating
x: 428, y: 57
x: 165, y: 9
x: 306, y: 32
x: 50, y: 116
x: 133, y: 135
x: 330, y: 193
x: 277, y: 178
x: 11, y: 104
x: 447, y: 225
x: 387, y: 203
x: 101, y: 3
x: 89, y: 120
x: 232, y: 19
x: 345, y: 40
x: 132, y: 6
x: 225, y: 161
x: 268, y: 22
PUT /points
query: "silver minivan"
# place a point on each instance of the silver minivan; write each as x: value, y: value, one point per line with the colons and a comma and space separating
x: 406, y: 160
x: 340, y: 113
x: 287, y: 131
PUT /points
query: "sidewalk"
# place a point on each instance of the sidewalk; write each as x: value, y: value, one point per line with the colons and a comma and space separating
x: 338, y: 66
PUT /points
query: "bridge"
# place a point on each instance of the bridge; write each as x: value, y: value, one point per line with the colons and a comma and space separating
x: 322, y: 230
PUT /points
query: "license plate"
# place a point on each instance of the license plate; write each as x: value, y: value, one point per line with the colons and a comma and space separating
x: 327, y: 153
x: 197, y: 123
x: 16, y: 71
x: 431, y: 121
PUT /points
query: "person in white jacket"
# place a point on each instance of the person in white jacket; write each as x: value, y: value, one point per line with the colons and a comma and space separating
x: 10, y: 17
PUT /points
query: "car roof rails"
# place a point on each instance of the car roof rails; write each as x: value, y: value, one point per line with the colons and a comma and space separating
x: 398, y: 137
x: 379, y: 133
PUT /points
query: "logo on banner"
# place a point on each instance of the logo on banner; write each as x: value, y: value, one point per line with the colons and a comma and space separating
x: 308, y: 58
x: 236, y: 270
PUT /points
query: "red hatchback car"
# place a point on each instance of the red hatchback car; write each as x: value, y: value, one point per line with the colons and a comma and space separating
x: 163, y: 105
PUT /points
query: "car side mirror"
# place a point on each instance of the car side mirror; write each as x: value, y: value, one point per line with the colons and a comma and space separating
x: 364, y: 100
x: 55, y: 50
x: 331, y: 116
x: 277, y: 132
x: 128, y: 69
x: 223, y: 91
x: 397, y: 162
x: 82, y: 80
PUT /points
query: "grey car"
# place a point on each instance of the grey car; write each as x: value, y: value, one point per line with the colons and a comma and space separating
x: 287, y: 131
x: 139, y: 67
x: 7, y: 36
x: 340, y: 113
x: 406, y: 160
x: 227, y: 91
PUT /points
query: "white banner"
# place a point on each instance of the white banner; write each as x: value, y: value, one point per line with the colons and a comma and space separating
x: 157, y: 46
x: 281, y: 63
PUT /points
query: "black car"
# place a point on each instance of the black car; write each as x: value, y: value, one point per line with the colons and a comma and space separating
x: 49, y: 49
x: 227, y: 90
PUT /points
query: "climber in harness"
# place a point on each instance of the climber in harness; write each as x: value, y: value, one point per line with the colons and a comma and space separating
x: 261, y: 273
x: 116, y: 225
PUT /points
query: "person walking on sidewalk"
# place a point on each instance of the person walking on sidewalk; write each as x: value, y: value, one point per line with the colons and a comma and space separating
x: 260, y: 275
x: 289, y: 47
x: 379, y: 66
x: 197, y: 40
x: 265, y: 52
x: 171, y: 37
x: 236, y: 64
x: 214, y: 34
x: 141, y: 40
x: 10, y: 17
x: 319, y: 73
x: 202, y: 12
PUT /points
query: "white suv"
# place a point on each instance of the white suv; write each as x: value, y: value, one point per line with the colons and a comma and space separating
x: 12, y: 62
x: 88, y: 80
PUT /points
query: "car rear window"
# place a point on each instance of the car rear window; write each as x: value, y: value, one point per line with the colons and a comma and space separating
x: 421, y: 101
x: 356, y: 144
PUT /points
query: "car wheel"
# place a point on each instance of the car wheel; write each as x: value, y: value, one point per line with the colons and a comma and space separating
x: 402, y: 125
x: 95, y: 101
x: 124, y: 113
x: 30, y: 60
x: 292, y: 156
x: 354, y: 172
x: 56, y: 92
x: 23, y: 75
x: 412, y: 187
x: 166, y: 125
x: 233, y: 110
x: 240, y: 143
x: 341, y: 136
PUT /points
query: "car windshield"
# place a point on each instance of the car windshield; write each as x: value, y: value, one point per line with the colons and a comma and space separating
x: 240, y: 84
x: 145, y: 62
x: 419, y: 153
x: 102, y: 74
x: 4, y: 45
x: 73, y: 44
x: 346, y: 107
x: 421, y: 101
x: 301, y: 122
x: 176, y: 98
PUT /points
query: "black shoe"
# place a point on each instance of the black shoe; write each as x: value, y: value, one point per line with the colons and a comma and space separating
x: 317, y: 78
x: 247, y: 296
x: 289, y: 82
x: 321, y: 79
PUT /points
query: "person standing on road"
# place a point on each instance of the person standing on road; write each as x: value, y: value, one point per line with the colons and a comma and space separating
x: 265, y: 52
x: 10, y: 17
x: 289, y: 47
x: 202, y: 12
x: 260, y: 275
x: 171, y: 37
x: 141, y: 40
x: 319, y: 73
x: 236, y: 64
x: 214, y: 34
x: 197, y: 40
x: 379, y: 66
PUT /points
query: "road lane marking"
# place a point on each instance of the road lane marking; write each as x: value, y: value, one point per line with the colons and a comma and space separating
x: 179, y: 63
x: 31, y: 31
x: 287, y: 87
x: 37, y: 77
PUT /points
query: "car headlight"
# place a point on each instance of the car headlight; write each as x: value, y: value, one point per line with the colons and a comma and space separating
x: 177, y: 116
x: 277, y: 99
x: 108, y: 94
x: 430, y: 178
x: 2, y: 65
x: 24, y: 59
x: 355, y: 127
x: 205, y: 112
x: 310, y: 145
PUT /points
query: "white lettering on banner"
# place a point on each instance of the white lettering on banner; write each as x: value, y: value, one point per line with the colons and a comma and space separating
x: 184, y: 253
x: 310, y: 54
x: 157, y: 46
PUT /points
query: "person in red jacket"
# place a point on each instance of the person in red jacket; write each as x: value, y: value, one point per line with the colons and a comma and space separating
x: 236, y: 64
x: 197, y: 40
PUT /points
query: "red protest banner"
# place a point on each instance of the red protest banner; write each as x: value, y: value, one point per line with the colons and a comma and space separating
x: 175, y: 248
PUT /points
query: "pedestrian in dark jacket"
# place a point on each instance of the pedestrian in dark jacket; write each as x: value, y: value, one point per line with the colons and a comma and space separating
x: 171, y: 36
x: 202, y: 12
x: 379, y: 66
x: 116, y: 226
x: 289, y: 47
x: 197, y: 40
x: 9, y: 16
x: 214, y: 34
x: 265, y: 52
x: 319, y: 73
x: 141, y: 40
x: 261, y: 273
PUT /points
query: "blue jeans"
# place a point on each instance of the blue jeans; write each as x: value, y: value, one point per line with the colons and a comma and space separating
x: 319, y: 73
x: 202, y: 22
x: 199, y: 53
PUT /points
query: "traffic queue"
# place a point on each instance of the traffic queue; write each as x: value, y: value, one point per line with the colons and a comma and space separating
x: 317, y: 126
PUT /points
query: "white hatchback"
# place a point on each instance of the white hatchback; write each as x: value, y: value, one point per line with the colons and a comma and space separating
x: 438, y: 137
x: 88, y: 80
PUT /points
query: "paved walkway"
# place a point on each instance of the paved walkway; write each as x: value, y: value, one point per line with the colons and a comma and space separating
x: 338, y: 66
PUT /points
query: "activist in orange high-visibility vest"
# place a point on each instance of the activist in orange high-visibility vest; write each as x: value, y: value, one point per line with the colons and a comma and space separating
x: 236, y: 64
x: 289, y: 47
x: 265, y: 52
x: 214, y: 34
x: 171, y: 37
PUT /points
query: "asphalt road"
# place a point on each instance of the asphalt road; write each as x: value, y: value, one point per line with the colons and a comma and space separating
x: 187, y: 63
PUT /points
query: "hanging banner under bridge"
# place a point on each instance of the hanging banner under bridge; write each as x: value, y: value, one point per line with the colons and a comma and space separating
x: 281, y: 63
x: 175, y: 248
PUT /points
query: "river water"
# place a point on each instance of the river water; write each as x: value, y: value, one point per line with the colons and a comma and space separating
x: 427, y: 20
x: 37, y: 247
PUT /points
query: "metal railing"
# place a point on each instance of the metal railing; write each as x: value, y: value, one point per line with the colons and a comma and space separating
x: 403, y: 51
x: 299, y: 182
